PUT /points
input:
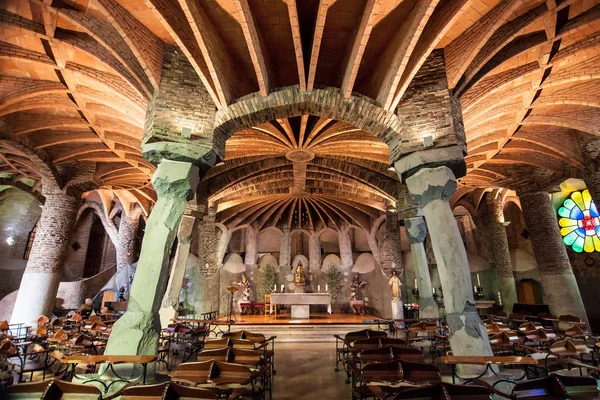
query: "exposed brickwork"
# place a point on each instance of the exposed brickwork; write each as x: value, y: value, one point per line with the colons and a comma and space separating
x: 53, y: 234
x: 389, y: 242
x: 429, y: 109
x: 181, y: 101
x: 549, y: 250
x: 208, y: 244
x: 496, y: 236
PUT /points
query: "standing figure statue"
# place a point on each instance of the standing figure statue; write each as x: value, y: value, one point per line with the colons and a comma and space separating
x: 299, y: 276
x: 395, y: 286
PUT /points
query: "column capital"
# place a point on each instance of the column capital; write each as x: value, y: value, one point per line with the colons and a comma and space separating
x: 175, y: 179
x: 451, y: 157
x: 416, y: 229
x: 429, y: 184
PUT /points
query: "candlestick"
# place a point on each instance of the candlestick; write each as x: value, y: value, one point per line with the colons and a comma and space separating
x: 416, y: 287
x: 475, y: 289
x: 274, y: 287
x: 282, y: 288
x: 433, y: 290
x: 478, y: 281
x: 319, y: 288
x: 325, y: 287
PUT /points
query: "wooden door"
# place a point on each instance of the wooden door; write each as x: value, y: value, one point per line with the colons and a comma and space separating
x: 526, y: 292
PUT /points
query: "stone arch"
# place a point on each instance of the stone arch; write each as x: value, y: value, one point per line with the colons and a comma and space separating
x: 268, y: 259
x: 326, y: 102
x: 327, y: 237
x: 269, y: 240
x: 364, y: 264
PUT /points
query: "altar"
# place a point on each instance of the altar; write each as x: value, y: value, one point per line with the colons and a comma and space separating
x: 301, y: 302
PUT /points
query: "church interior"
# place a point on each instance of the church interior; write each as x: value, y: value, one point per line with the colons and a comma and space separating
x: 299, y: 199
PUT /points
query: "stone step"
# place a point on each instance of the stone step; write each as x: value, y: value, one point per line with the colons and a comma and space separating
x: 290, y: 332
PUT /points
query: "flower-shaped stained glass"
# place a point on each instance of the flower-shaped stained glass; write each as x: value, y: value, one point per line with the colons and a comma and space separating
x: 580, y: 222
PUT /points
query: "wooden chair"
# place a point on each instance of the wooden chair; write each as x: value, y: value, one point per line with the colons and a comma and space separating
x: 27, y: 391
x: 145, y: 392
x: 61, y: 390
x: 557, y: 387
x: 193, y: 373
x: 222, y: 354
x: 178, y: 392
x: 213, y: 344
x: 268, y: 304
x: 447, y: 391
x: 419, y: 372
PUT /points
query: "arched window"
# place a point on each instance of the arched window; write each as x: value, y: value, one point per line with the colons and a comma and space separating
x: 580, y: 225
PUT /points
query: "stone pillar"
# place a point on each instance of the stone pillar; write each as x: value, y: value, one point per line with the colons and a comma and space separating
x: 223, y: 244
x: 389, y: 246
x: 137, y: 331
x: 345, y: 249
x: 561, y: 292
x: 205, y: 281
x: 39, y: 284
x: 431, y: 188
x: 185, y: 235
x: 416, y: 231
x: 252, y: 237
x: 314, y: 253
x: 285, y: 249
x: 125, y: 246
x: 500, y: 252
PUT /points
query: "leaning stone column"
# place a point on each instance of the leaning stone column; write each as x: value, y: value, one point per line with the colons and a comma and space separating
x: 416, y: 231
x: 137, y: 331
x: 561, y: 292
x: 185, y: 234
x: 500, y: 252
x: 431, y: 188
x: 206, y: 280
x: 39, y: 284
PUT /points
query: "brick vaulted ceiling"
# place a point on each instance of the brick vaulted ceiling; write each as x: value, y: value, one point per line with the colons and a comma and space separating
x: 76, y: 76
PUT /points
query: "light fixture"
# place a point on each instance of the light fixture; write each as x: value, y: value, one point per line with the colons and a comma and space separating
x: 391, y: 168
x: 186, y: 132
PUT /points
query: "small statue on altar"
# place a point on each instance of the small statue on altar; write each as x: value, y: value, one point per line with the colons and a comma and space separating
x: 357, y: 305
x: 244, y: 284
x: 299, y: 277
x: 395, y: 286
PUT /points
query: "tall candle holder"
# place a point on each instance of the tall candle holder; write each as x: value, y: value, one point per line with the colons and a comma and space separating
x: 415, y: 291
x: 478, y: 291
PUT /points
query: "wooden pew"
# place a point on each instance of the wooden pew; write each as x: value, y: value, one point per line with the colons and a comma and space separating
x: 488, y: 362
x: 557, y: 387
x: 446, y: 391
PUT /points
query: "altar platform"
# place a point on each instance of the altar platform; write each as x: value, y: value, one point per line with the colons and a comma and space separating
x: 319, y: 328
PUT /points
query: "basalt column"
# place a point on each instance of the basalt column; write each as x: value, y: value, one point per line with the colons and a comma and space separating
x: 500, y: 257
x: 561, y: 292
x: 185, y: 234
x: 431, y: 188
x: 39, y: 286
x: 206, y: 279
x: 137, y: 331
x: 416, y: 231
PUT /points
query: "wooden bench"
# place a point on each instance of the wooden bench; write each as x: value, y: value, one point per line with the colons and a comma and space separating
x: 53, y: 390
x: 343, y: 346
x: 557, y: 387
x: 488, y: 362
x: 446, y: 391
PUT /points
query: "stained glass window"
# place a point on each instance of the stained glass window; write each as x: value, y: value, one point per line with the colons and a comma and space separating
x: 580, y: 225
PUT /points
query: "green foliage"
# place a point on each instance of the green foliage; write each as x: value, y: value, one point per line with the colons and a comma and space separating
x: 268, y: 281
x: 334, y: 280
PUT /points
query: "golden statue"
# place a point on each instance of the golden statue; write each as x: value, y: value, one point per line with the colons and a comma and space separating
x: 299, y: 276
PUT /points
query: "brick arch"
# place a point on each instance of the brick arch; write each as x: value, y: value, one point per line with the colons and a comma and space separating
x: 31, y: 190
x: 326, y: 102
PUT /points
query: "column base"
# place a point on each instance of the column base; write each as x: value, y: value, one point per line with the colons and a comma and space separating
x: 428, y: 308
x: 508, y: 293
x: 562, y: 296
x: 37, y: 296
x: 468, y: 337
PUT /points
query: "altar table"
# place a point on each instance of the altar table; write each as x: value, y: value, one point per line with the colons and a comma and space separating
x: 301, y: 302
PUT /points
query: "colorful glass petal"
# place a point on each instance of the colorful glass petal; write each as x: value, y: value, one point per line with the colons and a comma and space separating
x: 588, y: 244
x: 579, y: 221
x: 578, y: 199
x: 578, y: 245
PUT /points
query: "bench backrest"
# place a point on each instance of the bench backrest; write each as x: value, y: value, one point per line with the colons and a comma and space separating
x: 143, y: 392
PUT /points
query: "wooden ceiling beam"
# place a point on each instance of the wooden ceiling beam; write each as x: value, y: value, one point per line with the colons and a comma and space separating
x: 297, y: 40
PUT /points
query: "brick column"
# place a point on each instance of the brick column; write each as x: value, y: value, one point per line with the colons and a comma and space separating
x: 561, y: 292
x: 500, y: 252
x: 137, y: 331
x: 416, y: 231
x: 389, y: 245
x: 590, y: 150
x: 39, y: 285
x: 431, y: 188
x: 125, y: 246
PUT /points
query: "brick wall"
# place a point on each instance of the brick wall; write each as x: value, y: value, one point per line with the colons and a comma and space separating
x: 209, y: 243
x: 389, y: 242
x: 429, y: 109
x: 75, y: 262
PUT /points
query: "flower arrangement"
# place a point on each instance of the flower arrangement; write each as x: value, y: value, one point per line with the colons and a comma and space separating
x: 334, y: 279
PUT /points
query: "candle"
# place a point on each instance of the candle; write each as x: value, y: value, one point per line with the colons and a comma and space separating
x: 325, y: 287
x: 274, y: 287
x: 499, y: 299
x: 319, y: 288
x: 416, y: 283
x: 282, y: 288
x: 478, y: 281
x: 475, y: 289
x: 433, y: 290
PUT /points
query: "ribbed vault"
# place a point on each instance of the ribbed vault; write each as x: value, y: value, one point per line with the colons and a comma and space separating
x: 302, y: 172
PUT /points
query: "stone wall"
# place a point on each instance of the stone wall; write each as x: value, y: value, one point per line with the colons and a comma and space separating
x: 428, y: 108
